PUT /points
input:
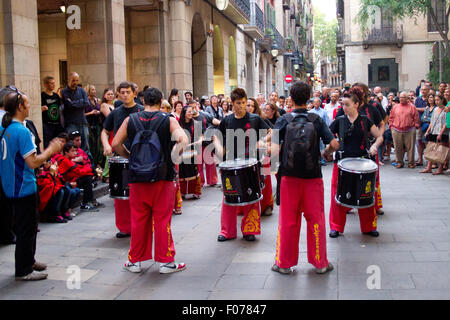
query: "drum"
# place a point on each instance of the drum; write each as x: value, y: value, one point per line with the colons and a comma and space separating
x: 241, y: 182
x: 356, y: 183
x: 188, y: 168
x: 118, y: 178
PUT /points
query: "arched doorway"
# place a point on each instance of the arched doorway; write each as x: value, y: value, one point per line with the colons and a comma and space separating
x: 199, y: 53
x: 218, y: 60
x: 232, y: 63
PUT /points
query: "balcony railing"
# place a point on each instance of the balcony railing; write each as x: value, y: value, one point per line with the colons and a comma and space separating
x: 384, y: 36
x: 256, y: 26
x: 238, y: 11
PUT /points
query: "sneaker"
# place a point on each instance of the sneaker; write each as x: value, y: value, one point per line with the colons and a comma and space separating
x: 67, y: 216
x: 380, y: 212
x: 268, y: 212
x: 177, y: 212
x: 59, y: 219
x: 171, y: 267
x: 33, y: 276
x: 372, y: 233
x: 222, y: 238
x: 132, y: 267
x: 334, y: 234
x: 281, y: 270
x: 249, y: 237
x: 325, y: 270
x: 97, y: 204
x: 88, y: 207
x: 37, y: 266
x: 195, y: 197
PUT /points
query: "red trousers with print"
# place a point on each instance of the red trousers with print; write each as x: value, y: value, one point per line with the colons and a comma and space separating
x: 192, y: 186
x: 297, y: 196
x: 267, y: 200
x: 338, y: 213
x: 178, y: 198
x: 251, y: 221
x: 151, y: 212
x: 207, y: 159
x: 123, y: 215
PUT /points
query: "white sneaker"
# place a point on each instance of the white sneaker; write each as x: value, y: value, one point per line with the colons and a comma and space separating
x: 133, y: 267
x: 171, y: 267
x: 33, y: 276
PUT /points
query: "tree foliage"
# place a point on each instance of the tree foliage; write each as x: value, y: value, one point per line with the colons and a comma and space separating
x: 324, y: 37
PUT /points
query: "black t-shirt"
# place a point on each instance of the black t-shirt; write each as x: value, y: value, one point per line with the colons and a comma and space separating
x: 367, y: 110
x: 379, y: 107
x: 53, y: 114
x: 322, y: 133
x: 150, y: 120
x: 272, y: 121
x: 117, y: 117
x: 353, y: 142
x: 249, y: 121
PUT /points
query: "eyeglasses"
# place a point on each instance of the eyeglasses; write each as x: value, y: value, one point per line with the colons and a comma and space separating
x: 75, y: 133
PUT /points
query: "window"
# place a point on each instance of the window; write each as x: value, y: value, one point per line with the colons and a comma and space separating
x: 439, y: 9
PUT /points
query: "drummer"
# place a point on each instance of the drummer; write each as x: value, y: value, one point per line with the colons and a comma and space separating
x: 190, y: 181
x: 353, y: 130
x: 112, y: 124
x: 231, y: 127
x: 267, y: 200
x: 301, y: 187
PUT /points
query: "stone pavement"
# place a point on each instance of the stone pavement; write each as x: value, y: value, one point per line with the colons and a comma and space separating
x: 412, y: 253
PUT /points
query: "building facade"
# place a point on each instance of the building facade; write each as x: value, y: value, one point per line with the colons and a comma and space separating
x: 205, y: 46
x: 393, y: 54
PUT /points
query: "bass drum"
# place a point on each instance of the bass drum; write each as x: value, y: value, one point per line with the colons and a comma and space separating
x: 356, y: 183
x: 118, y: 178
x: 241, y: 183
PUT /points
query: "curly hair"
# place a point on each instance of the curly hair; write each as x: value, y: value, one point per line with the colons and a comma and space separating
x: 356, y: 94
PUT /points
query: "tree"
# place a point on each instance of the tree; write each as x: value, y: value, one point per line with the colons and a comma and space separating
x: 408, y: 9
x: 325, y: 33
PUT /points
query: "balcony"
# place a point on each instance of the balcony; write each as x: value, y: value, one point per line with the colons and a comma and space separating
x: 238, y: 11
x: 384, y: 36
x: 256, y: 26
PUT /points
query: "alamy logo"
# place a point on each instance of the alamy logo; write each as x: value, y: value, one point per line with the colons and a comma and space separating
x: 73, y: 17
x: 374, y: 280
x: 74, y: 279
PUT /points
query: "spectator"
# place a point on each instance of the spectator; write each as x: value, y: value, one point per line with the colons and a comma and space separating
x: 437, y: 131
x: 274, y: 100
x: 325, y: 95
x: 427, y: 114
x: 324, y: 115
x: 214, y: 109
x: 404, y: 119
x: 421, y: 103
x: 226, y: 107
x: 332, y: 107
x: 94, y: 119
x: 289, y: 105
x: 271, y: 113
x: 51, y: 111
x: 75, y: 101
x: 82, y: 175
x: 19, y: 181
x: 166, y: 107
x: 387, y: 135
x: 177, y: 109
x: 106, y: 107
x: 188, y: 96
x: 384, y: 100
x: 412, y: 96
x: 261, y: 100
x: 282, y: 102
x: 442, y: 87
x: 173, y: 97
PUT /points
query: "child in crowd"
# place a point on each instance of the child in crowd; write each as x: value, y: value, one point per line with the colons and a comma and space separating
x: 56, y: 197
x: 81, y: 174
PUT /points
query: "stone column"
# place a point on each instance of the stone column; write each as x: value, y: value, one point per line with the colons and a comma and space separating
x: 19, y: 52
x: 97, y: 51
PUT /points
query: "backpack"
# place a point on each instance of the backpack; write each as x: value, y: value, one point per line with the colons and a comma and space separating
x: 147, y: 163
x: 301, y: 151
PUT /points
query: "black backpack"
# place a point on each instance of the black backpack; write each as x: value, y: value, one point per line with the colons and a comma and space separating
x: 301, y: 151
x: 147, y: 163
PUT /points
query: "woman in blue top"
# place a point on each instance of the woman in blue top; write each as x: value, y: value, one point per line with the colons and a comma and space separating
x: 18, y: 159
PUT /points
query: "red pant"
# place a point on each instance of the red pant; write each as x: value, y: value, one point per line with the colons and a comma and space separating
x: 211, y: 172
x: 338, y: 214
x: 251, y: 222
x: 193, y: 186
x: 267, y: 200
x: 178, y: 198
x: 151, y: 211
x: 297, y: 196
x: 123, y: 215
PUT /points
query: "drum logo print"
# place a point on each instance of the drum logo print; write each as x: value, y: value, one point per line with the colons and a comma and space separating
x: 369, y: 187
x: 228, y: 184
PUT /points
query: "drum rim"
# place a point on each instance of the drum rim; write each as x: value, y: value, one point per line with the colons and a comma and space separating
x: 249, y: 165
x: 353, y: 207
x: 118, y: 160
x: 242, y: 204
x: 356, y: 171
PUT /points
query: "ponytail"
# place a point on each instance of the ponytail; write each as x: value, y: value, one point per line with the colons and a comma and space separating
x: 7, y: 119
x: 11, y: 104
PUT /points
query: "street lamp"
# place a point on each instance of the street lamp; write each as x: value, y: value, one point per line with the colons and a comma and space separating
x: 274, y: 51
x: 221, y: 4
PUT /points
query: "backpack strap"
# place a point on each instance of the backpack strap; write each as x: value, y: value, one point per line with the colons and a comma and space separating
x: 341, y: 133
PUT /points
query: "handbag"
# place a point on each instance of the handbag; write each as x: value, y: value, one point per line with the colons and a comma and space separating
x: 436, y: 152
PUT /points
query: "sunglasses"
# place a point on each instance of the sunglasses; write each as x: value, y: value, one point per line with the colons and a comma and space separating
x: 18, y: 92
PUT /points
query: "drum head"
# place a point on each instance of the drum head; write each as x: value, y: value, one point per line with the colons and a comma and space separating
x: 358, y: 165
x: 238, y: 163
